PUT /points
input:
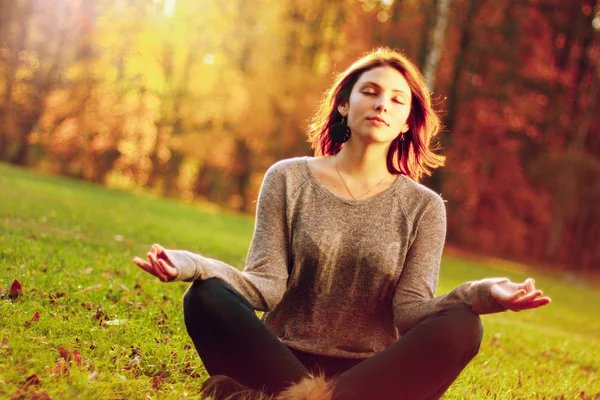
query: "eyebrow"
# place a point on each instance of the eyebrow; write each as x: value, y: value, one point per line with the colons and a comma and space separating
x: 379, y: 87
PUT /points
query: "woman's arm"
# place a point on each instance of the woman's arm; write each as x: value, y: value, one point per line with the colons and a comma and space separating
x: 264, y: 279
x: 414, y: 298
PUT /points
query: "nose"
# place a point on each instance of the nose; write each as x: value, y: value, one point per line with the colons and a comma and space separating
x: 381, y: 104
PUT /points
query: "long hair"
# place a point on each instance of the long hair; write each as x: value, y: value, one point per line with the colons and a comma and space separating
x: 415, y: 157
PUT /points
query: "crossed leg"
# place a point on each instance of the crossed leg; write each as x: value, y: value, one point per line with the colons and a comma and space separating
x: 232, y: 341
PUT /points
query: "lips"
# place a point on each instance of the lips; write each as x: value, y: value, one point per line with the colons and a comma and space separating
x: 377, y: 119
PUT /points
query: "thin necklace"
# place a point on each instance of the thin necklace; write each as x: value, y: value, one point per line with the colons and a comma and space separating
x: 346, y: 186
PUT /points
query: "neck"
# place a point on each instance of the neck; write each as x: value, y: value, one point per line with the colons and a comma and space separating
x: 363, y: 162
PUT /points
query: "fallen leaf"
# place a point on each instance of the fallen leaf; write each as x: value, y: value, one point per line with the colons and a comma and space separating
x: 156, y: 381
x: 3, y: 291
x: 61, y: 368
x: 4, y: 343
x: 35, y: 318
x: 86, y: 271
x: 114, y: 322
x: 100, y: 313
x: 76, y: 357
x: 57, y: 295
x: 32, y: 380
x: 25, y: 393
x: 15, y: 289
x: 90, y: 288
x: 39, y: 396
x: 64, y: 353
x: 93, y: 376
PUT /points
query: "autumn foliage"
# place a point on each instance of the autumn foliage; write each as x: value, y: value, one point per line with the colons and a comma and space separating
x: 196, y: 99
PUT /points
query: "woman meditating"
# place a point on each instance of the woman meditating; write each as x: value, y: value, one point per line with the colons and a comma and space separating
x: 344, y: 261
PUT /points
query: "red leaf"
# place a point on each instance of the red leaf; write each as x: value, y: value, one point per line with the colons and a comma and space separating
x: 32, y: 380
x: 76, y: 357
x: 36, y: 317
x: 156, y: 381
x: 64, y: 353
x: 15, y: 289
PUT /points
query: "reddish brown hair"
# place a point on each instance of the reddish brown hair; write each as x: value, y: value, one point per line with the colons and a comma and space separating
x: 417, y: 157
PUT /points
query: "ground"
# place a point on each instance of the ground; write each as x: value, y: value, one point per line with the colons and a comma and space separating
x: 87, y: 323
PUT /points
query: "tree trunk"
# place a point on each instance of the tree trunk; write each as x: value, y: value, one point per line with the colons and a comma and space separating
x: 459, y: 64
x: 432, y: 61
x: 428, y: 12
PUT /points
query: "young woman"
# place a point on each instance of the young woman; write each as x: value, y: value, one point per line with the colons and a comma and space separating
x: 344, y: 261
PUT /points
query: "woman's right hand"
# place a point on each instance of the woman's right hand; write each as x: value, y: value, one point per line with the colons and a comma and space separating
x: 157, y: 264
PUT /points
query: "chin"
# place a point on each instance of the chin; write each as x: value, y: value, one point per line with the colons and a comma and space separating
x: 376, y: 138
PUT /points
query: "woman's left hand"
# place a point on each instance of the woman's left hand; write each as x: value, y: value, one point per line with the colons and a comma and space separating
x: 518, y: 296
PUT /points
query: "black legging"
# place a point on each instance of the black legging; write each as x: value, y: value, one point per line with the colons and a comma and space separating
x: 422, y: 364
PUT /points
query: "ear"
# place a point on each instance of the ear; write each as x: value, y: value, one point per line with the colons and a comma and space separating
x: 343, y: 109
x: 405, y: 128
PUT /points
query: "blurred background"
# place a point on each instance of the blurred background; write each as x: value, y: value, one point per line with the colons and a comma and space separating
x: 196, y: 99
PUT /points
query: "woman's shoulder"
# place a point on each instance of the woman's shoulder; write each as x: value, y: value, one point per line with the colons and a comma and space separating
x: 418, y: 196
x: 289, y: 166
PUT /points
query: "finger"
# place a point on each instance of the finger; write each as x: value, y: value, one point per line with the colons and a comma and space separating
x: 145, y: 265
x: 152, y: 258
x: 161, y: 268
x: 167, y: 269
x: 539, y: 302
x: 529, y: 296
x: 156, y: 266
x: 529, y: 285
x: 514, y: 296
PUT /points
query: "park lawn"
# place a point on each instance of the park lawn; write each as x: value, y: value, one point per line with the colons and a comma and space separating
x: 89, y: 324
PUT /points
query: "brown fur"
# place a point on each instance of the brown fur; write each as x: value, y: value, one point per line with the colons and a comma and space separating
x: 311, y: 388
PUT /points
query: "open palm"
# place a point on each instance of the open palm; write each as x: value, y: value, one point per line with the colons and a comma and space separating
x: 518, y: 296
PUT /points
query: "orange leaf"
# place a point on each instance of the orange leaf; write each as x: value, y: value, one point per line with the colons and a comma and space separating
x: 40, y: 396
x: 61, y: 368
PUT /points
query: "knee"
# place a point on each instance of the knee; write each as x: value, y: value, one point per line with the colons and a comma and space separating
x: 464, y: 330
x: 202, y: 296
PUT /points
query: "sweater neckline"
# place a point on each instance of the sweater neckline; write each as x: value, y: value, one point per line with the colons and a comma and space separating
x: 329, y: 194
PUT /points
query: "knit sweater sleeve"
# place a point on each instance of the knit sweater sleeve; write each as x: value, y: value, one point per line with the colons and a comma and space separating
x: 414, y: 297
x: 264, y: 278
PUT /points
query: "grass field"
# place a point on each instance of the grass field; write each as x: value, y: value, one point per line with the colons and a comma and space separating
x: 89, y: 324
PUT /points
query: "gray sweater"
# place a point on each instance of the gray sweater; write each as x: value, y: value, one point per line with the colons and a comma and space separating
x: 337, y: 277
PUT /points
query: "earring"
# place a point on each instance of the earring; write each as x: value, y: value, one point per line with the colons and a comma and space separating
x: 402, y: 144
x: 340, y: 132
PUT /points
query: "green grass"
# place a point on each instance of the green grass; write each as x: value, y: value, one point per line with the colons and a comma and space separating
x: 70, y: 244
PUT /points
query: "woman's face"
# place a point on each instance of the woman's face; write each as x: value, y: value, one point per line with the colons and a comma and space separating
x: 379, y: 105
